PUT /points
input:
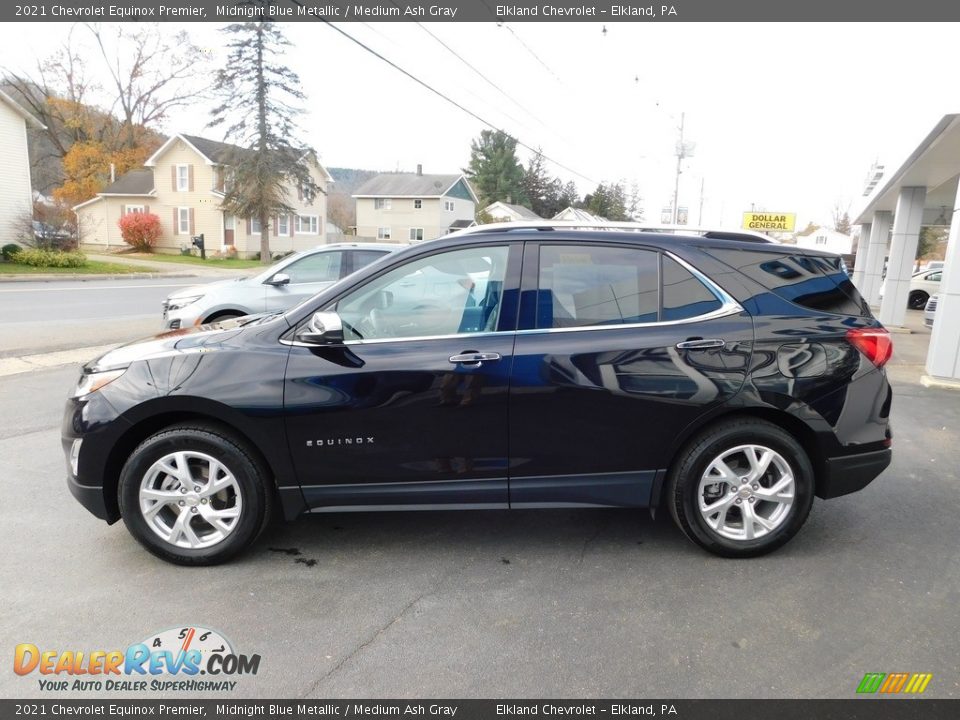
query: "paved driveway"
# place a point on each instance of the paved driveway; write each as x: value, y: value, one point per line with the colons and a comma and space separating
x: 562, y: 603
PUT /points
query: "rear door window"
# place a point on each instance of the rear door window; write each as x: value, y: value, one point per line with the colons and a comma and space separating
x: 582, y: 286
x: 684, y: 295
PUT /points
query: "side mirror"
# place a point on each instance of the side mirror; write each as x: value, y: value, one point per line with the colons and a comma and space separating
x: 324, y: 328
x: 278, y: 279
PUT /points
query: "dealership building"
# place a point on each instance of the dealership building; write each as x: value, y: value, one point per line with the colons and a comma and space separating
x: 921, y: 192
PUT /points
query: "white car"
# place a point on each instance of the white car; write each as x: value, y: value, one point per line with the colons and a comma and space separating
x: 930, y: 310
x: 279, y: 287
x: 922, y: 285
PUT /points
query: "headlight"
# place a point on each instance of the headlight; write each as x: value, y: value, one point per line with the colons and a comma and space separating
x: 91, y: 382
x: 181, y: 302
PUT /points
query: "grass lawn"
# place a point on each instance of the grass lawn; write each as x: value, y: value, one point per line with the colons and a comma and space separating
x: 229, y: 263
x: 91, y: 268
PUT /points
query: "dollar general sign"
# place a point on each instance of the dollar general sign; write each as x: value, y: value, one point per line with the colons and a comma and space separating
x: 783, y: 222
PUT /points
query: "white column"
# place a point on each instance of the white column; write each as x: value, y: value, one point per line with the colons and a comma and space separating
x: 903, y: 252
x: 876, y: 252
x: 943, y: 355
x: 860, y: 263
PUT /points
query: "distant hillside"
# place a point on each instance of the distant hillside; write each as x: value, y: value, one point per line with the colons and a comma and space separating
x: 349, y: 179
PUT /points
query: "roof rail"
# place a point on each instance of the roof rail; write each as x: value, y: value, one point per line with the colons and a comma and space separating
x: 550, y: 225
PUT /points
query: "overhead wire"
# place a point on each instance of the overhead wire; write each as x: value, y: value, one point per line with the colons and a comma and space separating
x: 450, y: 100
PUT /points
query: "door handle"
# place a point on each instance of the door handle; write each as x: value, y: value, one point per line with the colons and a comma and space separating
x: 471, y: 358
x: 700, y: 343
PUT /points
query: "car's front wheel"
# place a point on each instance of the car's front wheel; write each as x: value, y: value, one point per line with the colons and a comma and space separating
x: 193, y: 495
x: 742, y: 488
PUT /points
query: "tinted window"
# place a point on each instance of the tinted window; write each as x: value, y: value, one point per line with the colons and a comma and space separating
x: 448, y: 293
x: 584, y: 285
x: 684, y: 296
x: 815, y: 282
x: 320, y: 267
x: 362, y: 258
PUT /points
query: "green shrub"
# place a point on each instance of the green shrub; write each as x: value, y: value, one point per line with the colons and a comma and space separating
x: 51, y: 258
x: 9, y: 251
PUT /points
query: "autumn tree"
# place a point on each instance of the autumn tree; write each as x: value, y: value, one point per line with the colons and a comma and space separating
x: 150, y: 75
x: 494, y: 169
x: 259, y: 102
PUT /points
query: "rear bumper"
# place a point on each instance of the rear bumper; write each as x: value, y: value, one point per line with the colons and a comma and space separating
x: 844, y: 475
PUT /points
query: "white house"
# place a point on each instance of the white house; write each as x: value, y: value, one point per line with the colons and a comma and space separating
x: 505, y: 212
x: 16, y: 195
x: 578, y: 215
x: 817, y: 237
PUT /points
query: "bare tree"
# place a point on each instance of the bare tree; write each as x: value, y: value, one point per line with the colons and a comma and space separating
x: 841, y: 217
x: 151, y: 74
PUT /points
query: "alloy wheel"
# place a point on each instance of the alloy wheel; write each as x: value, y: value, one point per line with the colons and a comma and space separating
x: 746, y: 492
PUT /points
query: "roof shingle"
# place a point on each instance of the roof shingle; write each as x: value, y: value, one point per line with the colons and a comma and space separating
x: 406, y: 184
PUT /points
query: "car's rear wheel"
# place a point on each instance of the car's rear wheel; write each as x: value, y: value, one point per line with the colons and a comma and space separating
x: 742, y: 488
x: 917, y: 300
x: 193, y: 495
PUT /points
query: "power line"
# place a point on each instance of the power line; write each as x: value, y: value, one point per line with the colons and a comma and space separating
x: 480, y: 74
x: 450, y: 100
x: 525, y: 46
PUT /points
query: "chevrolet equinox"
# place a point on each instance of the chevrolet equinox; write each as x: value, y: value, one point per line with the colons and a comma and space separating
x: 723, y: 378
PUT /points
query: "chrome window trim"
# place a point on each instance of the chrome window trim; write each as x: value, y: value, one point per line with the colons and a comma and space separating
x: 728, y: 307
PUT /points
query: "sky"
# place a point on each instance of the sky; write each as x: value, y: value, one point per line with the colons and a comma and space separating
x: 784, y: 117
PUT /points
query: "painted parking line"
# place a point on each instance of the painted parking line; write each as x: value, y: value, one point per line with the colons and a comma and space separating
x: 42, y: 361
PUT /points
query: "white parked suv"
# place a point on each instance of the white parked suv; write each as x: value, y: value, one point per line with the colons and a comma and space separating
x: 922, y: 285
x: 279, y: 287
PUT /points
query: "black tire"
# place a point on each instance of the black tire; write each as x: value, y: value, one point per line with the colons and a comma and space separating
x: 917, y: 300
x: 693, y: 461
x: 224, y: 315
x: 252, y: 486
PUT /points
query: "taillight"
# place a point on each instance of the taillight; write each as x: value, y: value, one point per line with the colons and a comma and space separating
x: 875, y: 343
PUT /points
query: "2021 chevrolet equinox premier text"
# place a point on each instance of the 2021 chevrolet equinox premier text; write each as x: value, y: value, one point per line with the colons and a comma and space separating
x: 725, y: 380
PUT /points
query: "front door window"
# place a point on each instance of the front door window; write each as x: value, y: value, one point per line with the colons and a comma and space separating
x: 448, y: 293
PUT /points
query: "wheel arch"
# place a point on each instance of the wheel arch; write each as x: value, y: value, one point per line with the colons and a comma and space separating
x: 797, y: 428
x: 145, y: 426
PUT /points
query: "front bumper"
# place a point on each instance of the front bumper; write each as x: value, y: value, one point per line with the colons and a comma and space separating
x: 847, y: 474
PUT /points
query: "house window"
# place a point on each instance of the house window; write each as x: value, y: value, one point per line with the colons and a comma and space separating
x: 383, y: 233
x: 183, y: 178
x: 308, y: 225
x: 417, y: 204
x: 255, y: 228
x: 133, y: 209
x: 416, y: 234
x: 183, y: 221
x: 283, y: 225
x: 821, y: 239
x: 448, y: 205
x: 381, y: 203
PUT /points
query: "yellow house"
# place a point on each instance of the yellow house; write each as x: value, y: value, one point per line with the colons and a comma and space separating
x: 182, y: 183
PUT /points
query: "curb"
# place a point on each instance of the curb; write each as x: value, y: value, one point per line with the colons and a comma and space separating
x: 50, y: 277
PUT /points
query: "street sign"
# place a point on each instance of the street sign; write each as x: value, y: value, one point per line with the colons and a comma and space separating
x: 780, y: 222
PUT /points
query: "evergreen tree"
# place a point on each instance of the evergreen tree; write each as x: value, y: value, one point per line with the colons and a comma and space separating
x: 494, y: 169
x: 259, y: 102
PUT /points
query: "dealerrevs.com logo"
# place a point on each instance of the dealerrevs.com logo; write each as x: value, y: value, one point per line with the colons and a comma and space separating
x: 179, y: 659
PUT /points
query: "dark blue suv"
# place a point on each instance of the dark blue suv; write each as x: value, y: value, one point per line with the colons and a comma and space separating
x: 727, y: 380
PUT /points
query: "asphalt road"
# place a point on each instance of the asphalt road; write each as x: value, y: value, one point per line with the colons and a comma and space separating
x: 563, y: 603
x: 45, y: 316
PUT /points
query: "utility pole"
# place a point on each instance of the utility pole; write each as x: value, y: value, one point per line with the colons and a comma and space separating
x: 700, y: 215
x: 683, y: 151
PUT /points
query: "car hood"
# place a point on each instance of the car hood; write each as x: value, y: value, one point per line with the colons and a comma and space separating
x: 205, y: 288
x: 188, y: 340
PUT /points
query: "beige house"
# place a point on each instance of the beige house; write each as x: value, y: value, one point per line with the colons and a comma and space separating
x: 183, y: 183
x: 16, y: 196
x: 410, y: 207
